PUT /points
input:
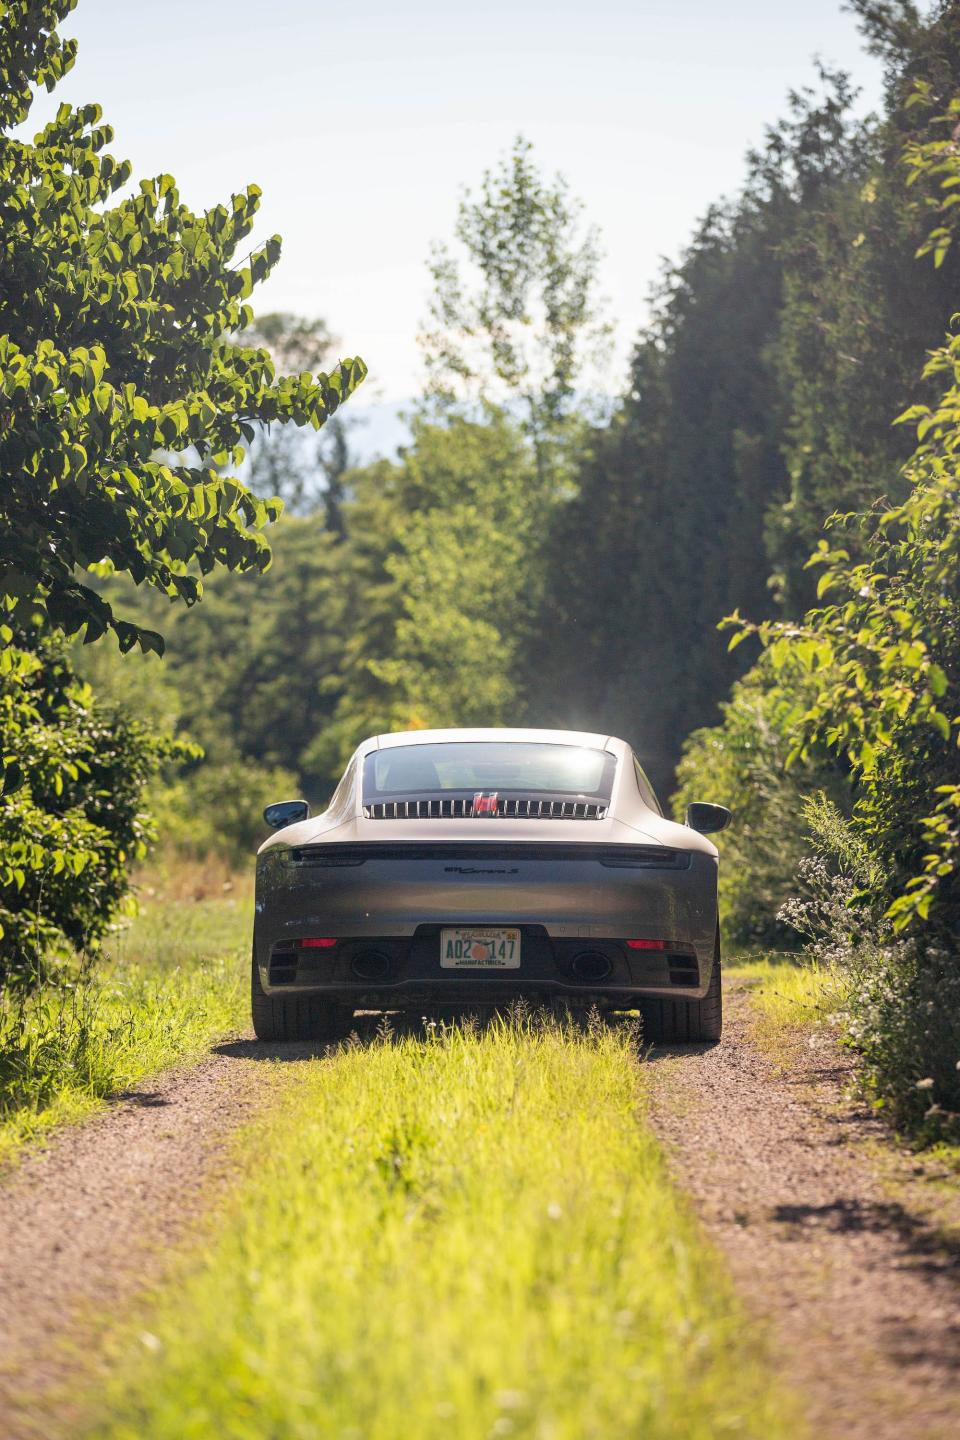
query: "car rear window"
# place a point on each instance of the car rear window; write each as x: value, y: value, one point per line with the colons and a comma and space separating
x: 509, y: 767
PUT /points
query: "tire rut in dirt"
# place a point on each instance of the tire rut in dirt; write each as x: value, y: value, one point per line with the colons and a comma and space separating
x: 94, y: 1215
x: 826, y: 1241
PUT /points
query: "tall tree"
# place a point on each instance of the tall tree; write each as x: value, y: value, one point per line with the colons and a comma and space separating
x: 435, y: 573
x: 760, y: 401
x: 125, y: 400
x: 858, y: 316
x: 514, y: 318
x: 123, y: 390
x: 666, y: 530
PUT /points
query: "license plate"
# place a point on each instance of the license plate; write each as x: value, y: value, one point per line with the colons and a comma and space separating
x: 480, y: 948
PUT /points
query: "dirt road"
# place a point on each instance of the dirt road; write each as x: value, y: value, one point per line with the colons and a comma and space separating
x: 832, y: 1238
x: 90, y: 1219
x: 845, y: 1246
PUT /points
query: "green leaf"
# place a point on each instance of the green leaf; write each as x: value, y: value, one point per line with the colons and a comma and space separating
x: 940, y: 723
x: 937, y: 681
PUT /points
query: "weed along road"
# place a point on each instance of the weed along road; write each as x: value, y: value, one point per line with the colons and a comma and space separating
x: 477, y: 1230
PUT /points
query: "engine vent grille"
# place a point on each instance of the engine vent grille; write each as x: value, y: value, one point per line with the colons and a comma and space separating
x: 506, y: 810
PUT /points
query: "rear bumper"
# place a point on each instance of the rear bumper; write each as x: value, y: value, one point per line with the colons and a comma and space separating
x: 399, y: 971
x: 395, y: 908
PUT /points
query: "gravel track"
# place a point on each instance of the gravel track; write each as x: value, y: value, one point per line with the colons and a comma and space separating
x: 845, y: 1247
x: 90, y: 1219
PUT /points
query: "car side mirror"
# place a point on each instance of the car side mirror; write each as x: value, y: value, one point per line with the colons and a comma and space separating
x: 707, y: 818
x: 286, y: 812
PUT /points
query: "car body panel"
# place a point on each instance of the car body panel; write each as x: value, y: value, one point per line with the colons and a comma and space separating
x: 572, y: 885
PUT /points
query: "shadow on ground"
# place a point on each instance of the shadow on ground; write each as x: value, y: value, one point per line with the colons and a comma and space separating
x: 145, y: 1098
x: 852, y: 1216
x: 366, y: 1028
x: 654, y: 1052
x: 370, y: 1026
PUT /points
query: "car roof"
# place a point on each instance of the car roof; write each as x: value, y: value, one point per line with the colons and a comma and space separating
x: 502, y: 733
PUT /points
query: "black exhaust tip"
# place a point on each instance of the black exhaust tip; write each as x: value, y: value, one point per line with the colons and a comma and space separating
x: 591, y: 965
x: 371, y: 965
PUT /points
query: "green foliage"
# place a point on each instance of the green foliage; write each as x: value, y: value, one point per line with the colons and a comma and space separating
x: 217, y: 808
x: 254, y: 663
x: 666, y: 534
x: 903, y: 1017
x: 32, y: 53
x: 742, y: 763
x: 125, y: 399
x: 417, y: 617
x: 406, y: 593
x: 876, y: 670
x: 897, y: 997
x: 302, y: 470
x: 467, y: 1234
x: 123, y: 391
x: 251, y: 675
x: 883, y: 660
x: 73, y: 823
x: 857, y: 314
x: 438, y: 569
x: 526, y: 328
x: 780, y: 347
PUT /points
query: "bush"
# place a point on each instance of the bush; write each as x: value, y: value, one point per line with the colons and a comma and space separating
x: 905, y: 1022
x: 72, y: 821
x: 742, y: 763
x: 878, y: 670
x: 901, y: 1009
x: 218, y: 809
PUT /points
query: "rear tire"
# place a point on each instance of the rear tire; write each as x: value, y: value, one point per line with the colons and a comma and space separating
x: 296, y: 1017
x: 687, y: 1021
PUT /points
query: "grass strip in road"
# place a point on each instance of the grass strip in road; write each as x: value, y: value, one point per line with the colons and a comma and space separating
x: 173, y: 980
x: 470, y: 1234
x: 788, y: 995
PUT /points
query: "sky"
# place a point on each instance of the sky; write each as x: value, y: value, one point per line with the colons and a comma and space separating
x: 363, y: 123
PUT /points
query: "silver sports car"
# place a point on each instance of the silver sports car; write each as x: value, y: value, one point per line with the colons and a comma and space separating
x: 471, y: 867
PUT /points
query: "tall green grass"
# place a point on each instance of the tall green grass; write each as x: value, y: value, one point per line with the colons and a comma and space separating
x: 789, y: 994
x: 170, y: 981
x: 469, y: 1235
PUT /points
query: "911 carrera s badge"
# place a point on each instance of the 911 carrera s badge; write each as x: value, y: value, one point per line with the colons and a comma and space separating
x: 485, y: 802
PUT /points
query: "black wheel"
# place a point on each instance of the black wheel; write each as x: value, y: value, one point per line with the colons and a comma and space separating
x: 296, y: 1017
x: 687, y: 1021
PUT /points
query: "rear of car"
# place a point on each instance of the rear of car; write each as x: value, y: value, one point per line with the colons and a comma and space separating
x: 472, y: 868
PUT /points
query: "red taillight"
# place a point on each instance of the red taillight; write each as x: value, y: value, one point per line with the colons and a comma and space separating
x: 326, y: 943
x: 646, y: 945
